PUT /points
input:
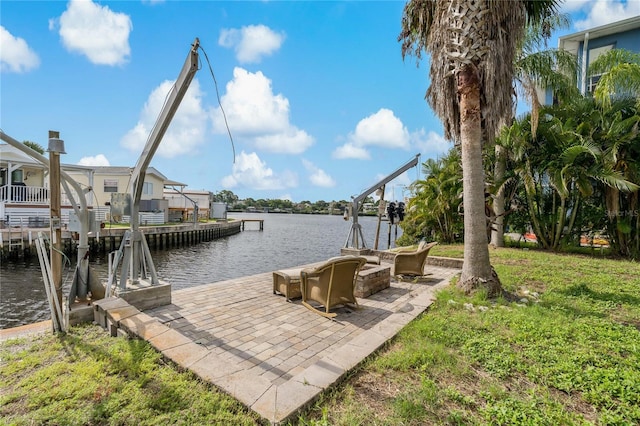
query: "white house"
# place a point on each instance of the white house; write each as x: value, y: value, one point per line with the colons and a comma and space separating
x: 184, y: 202
x: 24, y: 189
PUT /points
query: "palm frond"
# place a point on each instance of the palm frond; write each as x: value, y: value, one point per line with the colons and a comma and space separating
x: 570, y: 154
x: 621, y: 81
x: 615, y: 179
x: 611, y: 59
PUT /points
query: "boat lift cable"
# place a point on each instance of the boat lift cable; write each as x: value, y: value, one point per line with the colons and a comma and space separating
x: 215, y: 83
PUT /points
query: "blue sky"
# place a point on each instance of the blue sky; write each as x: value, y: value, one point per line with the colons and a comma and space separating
x: 318, y: 99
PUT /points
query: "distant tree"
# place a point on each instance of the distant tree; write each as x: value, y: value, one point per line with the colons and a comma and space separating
x: 321, y: 205
x: 35, y: 146
x: 226, y: 196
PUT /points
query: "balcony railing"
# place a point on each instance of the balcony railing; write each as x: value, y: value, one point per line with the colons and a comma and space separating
x: 19, y: 194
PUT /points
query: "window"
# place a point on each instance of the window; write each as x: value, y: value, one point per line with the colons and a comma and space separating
x: 111, y: 185
x: 594, y: 54
x: 147, y: 188
x: 16, y: 176
x: 593, y: 82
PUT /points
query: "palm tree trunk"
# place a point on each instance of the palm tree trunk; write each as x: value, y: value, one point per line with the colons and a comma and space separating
x: 559, y: 225
x: 476, y: 268
x: 497, y: 232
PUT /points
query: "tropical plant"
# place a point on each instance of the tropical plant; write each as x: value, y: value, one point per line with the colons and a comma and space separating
x: 433, y: 212
x: 569, y: 162
x: 472, y: 45
x: 620, y: 76
x: 535, y: 67
x: 619, y: 71
x: 34, y: 146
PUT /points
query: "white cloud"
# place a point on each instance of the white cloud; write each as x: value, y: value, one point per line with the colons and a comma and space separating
x: 602, y: 12
x: 382, y: 129
x: 251, y: 172
x: 252, y: 42
x: 349, y: 150
x: 96, y: 32
x: 16, y: 55
x: 574, y: 5
x: 253, y: 112
x: 431, y: 144
x: 97, y: 160
x: 187, y: 129
x: 317, y: 176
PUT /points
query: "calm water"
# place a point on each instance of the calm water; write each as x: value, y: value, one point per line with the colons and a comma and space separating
x: 287, y: 240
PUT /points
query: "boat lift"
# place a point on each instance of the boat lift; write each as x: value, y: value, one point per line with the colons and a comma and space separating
x: 137, y: 264
x: 355, y: 233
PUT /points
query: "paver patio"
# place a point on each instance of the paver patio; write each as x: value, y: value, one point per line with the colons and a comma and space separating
x: 272, y: 355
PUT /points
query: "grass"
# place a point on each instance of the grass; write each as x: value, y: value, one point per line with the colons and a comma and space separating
x: 566, y: 351
x: 88, y: 378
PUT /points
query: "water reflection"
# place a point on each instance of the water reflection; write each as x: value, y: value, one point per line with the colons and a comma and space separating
x: 287, y: 240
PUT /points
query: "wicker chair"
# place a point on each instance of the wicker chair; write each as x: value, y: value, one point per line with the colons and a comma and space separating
x: 412, y: 263
x: 331, y: 283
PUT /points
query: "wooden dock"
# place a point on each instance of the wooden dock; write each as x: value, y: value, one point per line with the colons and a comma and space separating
x: 109, y: 239
x: 260, y: 222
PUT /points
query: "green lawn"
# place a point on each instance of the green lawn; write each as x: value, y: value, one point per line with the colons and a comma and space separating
x: 565, y: 351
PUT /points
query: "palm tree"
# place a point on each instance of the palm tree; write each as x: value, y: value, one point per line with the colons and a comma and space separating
x: 535, y: 67
x: 620, y: 82
x: 433, y: 210
x: 472, y: 44
x: 570, y: 156
x: 620, y: 78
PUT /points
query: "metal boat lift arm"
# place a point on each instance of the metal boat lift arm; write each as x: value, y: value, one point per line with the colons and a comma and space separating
x: 162, y: 124
x: 355, y: 234
x: 137, y: 258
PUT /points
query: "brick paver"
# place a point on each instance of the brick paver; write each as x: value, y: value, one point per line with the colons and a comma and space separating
x: 276, y: 356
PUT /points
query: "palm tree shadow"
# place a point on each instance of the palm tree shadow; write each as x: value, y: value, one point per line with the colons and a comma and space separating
x: 583, y: 290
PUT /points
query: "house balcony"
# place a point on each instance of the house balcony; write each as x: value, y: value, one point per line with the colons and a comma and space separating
x: 22, y: 194
x: 31, y: 195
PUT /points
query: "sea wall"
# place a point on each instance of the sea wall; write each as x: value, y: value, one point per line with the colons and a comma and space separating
x: 18, y: 242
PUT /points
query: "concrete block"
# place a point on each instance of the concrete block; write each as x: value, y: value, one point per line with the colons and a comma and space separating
x: 212, y: 367
x: 186, y: 355
x: 266, y: 405
x: 145, y: 296
x: 142, y: 326
x: 168, y: 339
x: 322, y: 374
x: 291, y: 397
x: 245, y: 386
x: 81, y: 312
x: 100, y: 308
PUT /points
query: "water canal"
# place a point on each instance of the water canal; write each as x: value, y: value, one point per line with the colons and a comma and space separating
x: 287, y: 240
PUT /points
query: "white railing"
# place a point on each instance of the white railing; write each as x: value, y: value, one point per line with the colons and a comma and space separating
x: 18, y: 194
x: 24, y: 194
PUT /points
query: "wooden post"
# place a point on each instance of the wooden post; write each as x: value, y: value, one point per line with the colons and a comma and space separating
x: 380, y: 213
x: 56, y: 226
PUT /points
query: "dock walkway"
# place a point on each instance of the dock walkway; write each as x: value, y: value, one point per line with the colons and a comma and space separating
x: 273, y: 356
